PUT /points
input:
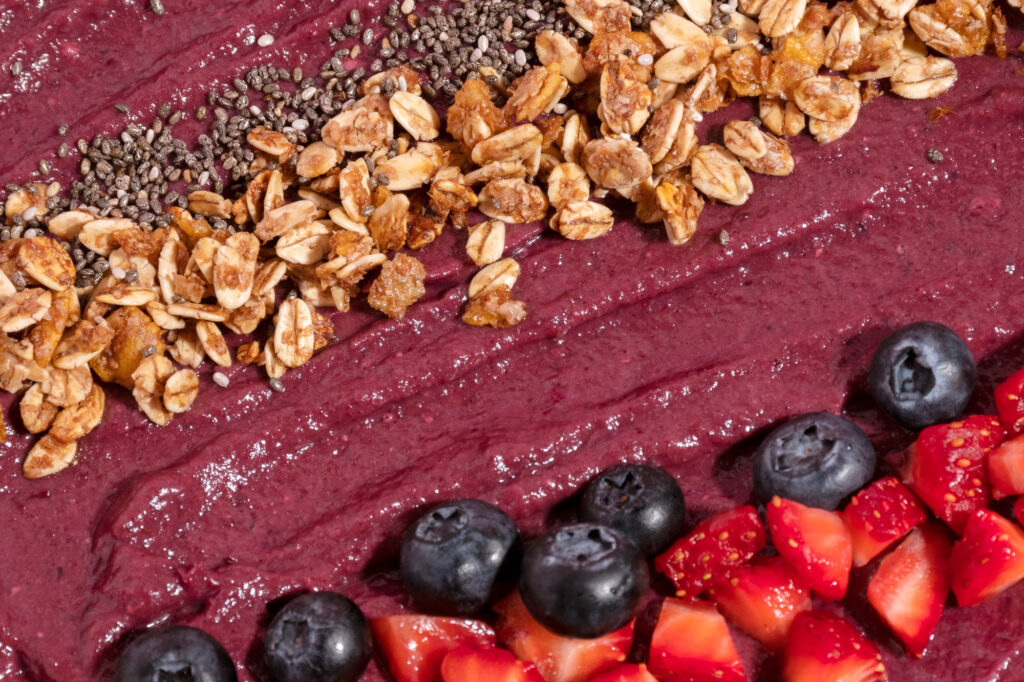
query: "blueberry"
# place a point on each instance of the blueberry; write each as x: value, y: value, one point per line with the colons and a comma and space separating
x: 922, y: 374
x: 178, y: 653
x: 816, y: 459
x: 455, y: 557
x: 642, y: 501
x: 318, y: 637
x: 583, y: 580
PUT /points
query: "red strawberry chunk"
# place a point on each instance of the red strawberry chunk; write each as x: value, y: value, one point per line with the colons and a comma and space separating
x: 412, y: 648
x: 762, y: 598
x: 691, y: 643
x: 1006, y: 468
x: 1010, y: 402
x: 879, y: 515
x: 1018, y: 510
x: 558, y: 658
x: 947, y: 467
x: 711, y: 550
x: 823, y: 647
x: 626, y: 672
x: 909, y: 588
x: 469, y: 664
x: 988, y: 559
x: 814, y: 542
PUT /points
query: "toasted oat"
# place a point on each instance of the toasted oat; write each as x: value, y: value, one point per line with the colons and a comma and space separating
x: 616, y: 163
x: 21, y: 200
x: 36, y: 412
x: 124, y: 294
x: 47, y: 457
x: 148, y: 382
x: 827, y: 98
x: 293, y: 333
x: 7, y: 288
x: 186, y: 349
x: 271, y: 362
x: 660, y: 133
x: 213, y: 343
x: 407, y: 171
x: 180, y: 391
x: 719, y: 175
x: 956, y: 28
x: 520, y: 143
x: 681, y: 207
x: 316, y: 159
x: 248, y: 353
x: 98, y: 235
x: 923, y: 77
x: 782, y: 118
x: 415, y: 114
x: 66, y: 387
x: 209, y: 204
x: 84, y: 342
x: 758, y: 150
x: 17, y: 365
x: 77, y: 421
x: 24, y: 309
x: 270, y: 142
x: 567, y: 182
x: 579, y: 220
x: 600, y: 16
x: 486, y: 242
x: 843, y: 44
x: 358, y: 130
x: 681, y: 64
x: 830, y: 131
x: 46, y: 262
x: 779, y: 17
x: 280, y: 220
x: 502, y: 273
x: 513, y: 201
x: 552, y: 47
x: 234, y: 270
x: 199, y: 311
x: 304, y: 245
x: 887, y: 13
x: 537, y: 91
x: 495, y: 308
x: 398, y: 286
x: 452, y: 195
x: 625, y: 97
x: 388, y: 223
x: 136, y: 337
x: 574, y: 138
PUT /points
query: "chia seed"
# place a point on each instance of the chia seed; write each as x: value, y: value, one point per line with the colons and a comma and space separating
x: 265, y: 40
x: 276, y: 385
x: 122, y: 108
x: 16, y: 69
x: 157, y: 6
x: 221, y: 379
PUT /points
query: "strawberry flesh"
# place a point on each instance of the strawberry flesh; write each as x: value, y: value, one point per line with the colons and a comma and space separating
x: 412, y: 648
x: 879, y: 515
x: 988, y: 559
x: 626, y: 672
x: 558, y: 658
x: 910, y: 587
x: 1010, y: 402
x: 691, y: 643
x: 814, y: 542
x: 1006, y: 468
x: 470, y: 664
x: 1018, y: 510
x: 947, y: 467
x: 822, y: 647
x: 711, y: 550
x: 762, y: 598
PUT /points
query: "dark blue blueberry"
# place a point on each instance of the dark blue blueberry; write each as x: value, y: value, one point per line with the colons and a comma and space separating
x: 642, y: 501
x: 816, y: 459
x: 175, y: 653
x: 583, y: 580
x: 454, y: 558
x: 318, y: 637
x: 922, y: 374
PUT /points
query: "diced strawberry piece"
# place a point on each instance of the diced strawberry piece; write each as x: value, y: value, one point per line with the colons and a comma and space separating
x: 909, y: 588
x: 1006, y: 468
x: 988, y: 558
x: 1010, y: 402
x: 1018, y: 510
x: 559, y: 659
x: 626, y: 672
x: 814, y: 542
x: 822, y: 647
x: 412, y: 648
x: 947, y: 467
x: 691, y: 643
x: 706, y: 554
x: 471, y: 664
x: 879, y: 515
x: 762, y: 598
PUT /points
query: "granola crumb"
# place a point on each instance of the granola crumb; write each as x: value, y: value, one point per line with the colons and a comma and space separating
x: 934, y: 155
x: 398, y: 286
x: 723, y: 238
x: 494, y: 308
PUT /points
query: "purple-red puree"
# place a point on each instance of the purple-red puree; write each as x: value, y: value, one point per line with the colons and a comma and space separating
x: 633, y: 350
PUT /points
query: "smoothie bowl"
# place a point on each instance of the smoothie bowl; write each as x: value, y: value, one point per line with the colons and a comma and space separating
x: 278, y: 278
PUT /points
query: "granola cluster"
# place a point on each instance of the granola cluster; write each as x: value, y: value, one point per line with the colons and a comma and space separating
x: 323, y: 223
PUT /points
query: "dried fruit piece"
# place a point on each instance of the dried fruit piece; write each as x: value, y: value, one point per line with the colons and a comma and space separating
x: 681, y: 207
x: 398, y: 286
x: 135, y: 338
x: 180, y: 391
x: 923, y: 77
x: 47, y: 457
x: 580, y: 220
x: 719, y: 175
x: 293, y: 332
x: 495, y: 308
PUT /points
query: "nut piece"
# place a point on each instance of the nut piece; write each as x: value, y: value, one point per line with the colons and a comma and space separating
x: 512, y: 200
x: 616, y: 163
x: 180, y: 391
x: 44, y: 260
x: 293, y: 333
x: 580, y: 220
x: 415, y: 115
x: 47, y: 457
x: 554, y: 47
x: 398, y: 286
x: 316, y: 160
x: 503, y: 273
x: 757, y: 150
x: 681, y: 206
x: 495, y: 308
x: 827, y: 98
x: 567, y: 182
x: 718, y: 174
x: 923, y: 77
x: 37, y: 413
x: 486, y: 242
x: 79, y: 420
